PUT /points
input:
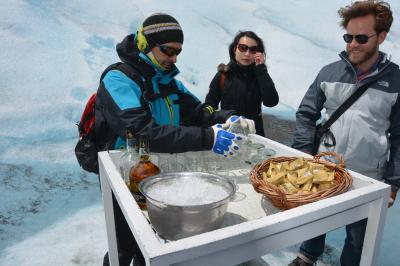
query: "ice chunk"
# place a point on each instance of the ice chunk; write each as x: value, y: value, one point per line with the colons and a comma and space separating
x: 187, y: 191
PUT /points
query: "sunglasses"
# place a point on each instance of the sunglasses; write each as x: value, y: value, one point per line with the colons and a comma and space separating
x: 360, y: 38
x: 244, y: 48
x: 165, y: 49
x: 169, y: 51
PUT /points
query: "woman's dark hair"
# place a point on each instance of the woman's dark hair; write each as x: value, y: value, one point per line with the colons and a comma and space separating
x: 248, y: 34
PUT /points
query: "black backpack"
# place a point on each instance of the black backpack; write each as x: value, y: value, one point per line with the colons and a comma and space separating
x: 86, y: 149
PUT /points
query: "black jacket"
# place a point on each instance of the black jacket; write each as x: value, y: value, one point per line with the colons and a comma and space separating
x: 122, y: 104
x: 244, y: 89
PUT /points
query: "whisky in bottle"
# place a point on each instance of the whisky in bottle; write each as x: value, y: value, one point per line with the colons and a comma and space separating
x: 144, y: 168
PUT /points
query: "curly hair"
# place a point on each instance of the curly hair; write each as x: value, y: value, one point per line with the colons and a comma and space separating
x: 379, y: 9
x: 249, y: 34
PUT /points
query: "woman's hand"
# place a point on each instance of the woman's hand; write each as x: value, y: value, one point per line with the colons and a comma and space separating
x: 259, y: 58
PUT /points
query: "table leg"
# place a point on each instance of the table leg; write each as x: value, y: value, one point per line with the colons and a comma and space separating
x: 110, y: 223
x: 374, y: 232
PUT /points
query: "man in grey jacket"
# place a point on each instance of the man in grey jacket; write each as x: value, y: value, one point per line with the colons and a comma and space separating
x: 367, y: 135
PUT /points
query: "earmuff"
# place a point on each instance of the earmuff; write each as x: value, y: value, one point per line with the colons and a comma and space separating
x: 142, y: 43
x: 144, y: 47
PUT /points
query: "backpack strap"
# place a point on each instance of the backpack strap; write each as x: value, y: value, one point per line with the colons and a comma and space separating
x: 165, y: 90
x: 222, y: 80
x: 133, y: 74
x: 127, y: 70
x: 145, y: 84
x: 342, y: 108
x: 109, y: 68
x: 222, y: 69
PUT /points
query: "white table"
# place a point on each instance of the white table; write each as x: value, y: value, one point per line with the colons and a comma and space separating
x: 252, y: 227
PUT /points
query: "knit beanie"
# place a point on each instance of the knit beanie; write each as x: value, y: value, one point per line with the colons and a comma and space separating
x: 162, y: 28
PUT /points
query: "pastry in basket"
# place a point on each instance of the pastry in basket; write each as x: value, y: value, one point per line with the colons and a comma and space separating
x: 293, y: 181
x: 299, y: 175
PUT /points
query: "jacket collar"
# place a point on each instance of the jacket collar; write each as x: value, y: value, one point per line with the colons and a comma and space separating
x: 383, y: 60
x: 384, y: 66
x: 235, y: 66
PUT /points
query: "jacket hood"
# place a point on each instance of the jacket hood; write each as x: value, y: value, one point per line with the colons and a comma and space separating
x: 129, y: 53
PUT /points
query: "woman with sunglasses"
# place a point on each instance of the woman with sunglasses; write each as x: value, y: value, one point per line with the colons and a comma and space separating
x: 244, y: 83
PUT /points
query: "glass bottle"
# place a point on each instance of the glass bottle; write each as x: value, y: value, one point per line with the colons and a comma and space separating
x: 237, y: 128
x: 128, y: 158
x: 143, y: 168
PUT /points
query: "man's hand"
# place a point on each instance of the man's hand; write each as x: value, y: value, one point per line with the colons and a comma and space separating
x: 392, y: 198
x: 224, y: 141
x: 239, y: 125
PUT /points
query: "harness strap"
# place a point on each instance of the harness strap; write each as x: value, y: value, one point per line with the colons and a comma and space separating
x: 146, y: 84
x: 133, y: 74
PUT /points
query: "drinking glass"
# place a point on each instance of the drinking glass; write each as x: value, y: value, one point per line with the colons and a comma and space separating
x: 193, y: 161
x: 229, y: 170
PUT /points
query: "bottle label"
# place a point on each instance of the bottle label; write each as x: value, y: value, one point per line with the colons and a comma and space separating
x: 137, y: 195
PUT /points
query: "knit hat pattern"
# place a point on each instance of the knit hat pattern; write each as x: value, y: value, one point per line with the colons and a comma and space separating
x: 162, y: 28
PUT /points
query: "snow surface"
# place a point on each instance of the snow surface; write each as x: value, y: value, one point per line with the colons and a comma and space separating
x: 52, y: 54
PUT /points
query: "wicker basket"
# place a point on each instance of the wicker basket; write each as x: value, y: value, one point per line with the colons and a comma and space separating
x: 284, y: 200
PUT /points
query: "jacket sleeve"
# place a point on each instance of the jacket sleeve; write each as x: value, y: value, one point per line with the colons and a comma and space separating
x: 392, y: 173
x: 168, y: 138
x: 194, y: 113
x: 122, y: 109
x: 190, y: 107
x: 306, y: 117
x: 269, y: 94
x: 213, y: 96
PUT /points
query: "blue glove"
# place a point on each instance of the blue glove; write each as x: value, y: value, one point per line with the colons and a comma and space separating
x: 224, y: 142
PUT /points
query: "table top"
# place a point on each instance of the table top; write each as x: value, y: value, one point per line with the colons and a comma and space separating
x: 248, y: 219
x: 249, y: 204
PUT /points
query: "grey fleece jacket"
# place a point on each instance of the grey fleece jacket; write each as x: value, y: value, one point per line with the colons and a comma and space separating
x: 368, y: 133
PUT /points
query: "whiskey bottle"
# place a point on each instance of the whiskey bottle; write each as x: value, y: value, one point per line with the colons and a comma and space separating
x: 144, y: 168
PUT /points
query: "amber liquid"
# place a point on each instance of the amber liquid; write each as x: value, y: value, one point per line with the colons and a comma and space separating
x: 143, y: 168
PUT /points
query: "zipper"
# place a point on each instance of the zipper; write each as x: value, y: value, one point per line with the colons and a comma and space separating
x: 353, y: 69
x: 357, y: 83
x: 171, y: 112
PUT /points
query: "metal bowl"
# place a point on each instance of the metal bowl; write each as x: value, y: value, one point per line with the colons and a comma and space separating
x: 174, y: 221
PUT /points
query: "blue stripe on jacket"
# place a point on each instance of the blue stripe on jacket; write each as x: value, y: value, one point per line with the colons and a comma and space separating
x: 125, y: 92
